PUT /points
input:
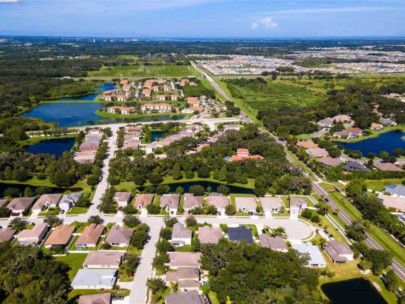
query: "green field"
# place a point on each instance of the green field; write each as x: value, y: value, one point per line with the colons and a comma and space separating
x: 74, y: 261
x: 145, y: 71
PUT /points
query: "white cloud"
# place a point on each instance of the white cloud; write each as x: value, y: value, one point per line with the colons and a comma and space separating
x: 8, y: 1
x: 266, y: 22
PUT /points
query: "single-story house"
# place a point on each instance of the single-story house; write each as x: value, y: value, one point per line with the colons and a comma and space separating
x: 186, y: 278
x: 297, y: 205
x: 69, y: 200
x: 104, y: 298
x: 143, y: 200
x: 326, y: 122
x: 271, y: 204
x: 94, y: 279
x: 395, y: 190
x: 315, y: 256
x: 170, y: 202
x: 338, y: 252
x: 186, y: 297
x: 18, y: 205
x: 246, y: 204
x: 3, y: 202
x: 243, y: 154
x: 317, y: 152
x: 376, y: 126
x: 90, y: 236
x: 184, y: 260
x: 349, y: 133
x: 240, y: 233
x: 60, y: 236
x: 330, y: 162
x: 274, y: 243
x: 191, y: 201
x: 393, y: 202
x: 343, y: 118
x: 103, y: 259
x: 220, y: 202
x: 6, y: 234
x: 119, y: 236
x: 387, y: 167
x: 47, y: 200
x: 209, y: 235
x: 181, y: 235
x: 122, y: 198
x: 387, y: 122
x: 353, y: 166
x: 34, y: 236
x: 307, y: 144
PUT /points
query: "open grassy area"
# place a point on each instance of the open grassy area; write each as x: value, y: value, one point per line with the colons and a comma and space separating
x: 145, y: 71
x: 77, y: 210
x: 74, y: 261
x: 379, y: 185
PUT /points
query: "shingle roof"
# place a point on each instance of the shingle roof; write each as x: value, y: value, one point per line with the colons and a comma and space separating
x: 191, y: 201
x: 184, y: 259
x: 110, y: 258
x: 218, y: 201
x: 186, y: 297
x: 395, y: 190
x: 276, y: 243
x: 240, y: 234
x: 52, y: 199
x: 170, y: 200
x: 21, y: 203
x: 180, y: 232
x: 104, y: 298
x: 269, y: 203
x: 144, y: 200
x: 6, y: 234
x: 209, y: 235
x: 60, y: 235
x: 119, y: 235
x: 90, y: 235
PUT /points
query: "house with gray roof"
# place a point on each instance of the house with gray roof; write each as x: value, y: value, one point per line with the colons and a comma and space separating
x: 181, y: 235
x: 191, y: 201
x: 186, y: 278
x: 274, y: 243
x: 338, y: 252
x: 271, y: 204
x: 170, y: 202
x: 395, y: 190
x: 119, y: 236
x: 187, y: 297
x: 184, y: 259
x: 315, y: 256
x: 353, y: 166
x: 69, y: 200
x: 18, y: 205
x: 94, y: 279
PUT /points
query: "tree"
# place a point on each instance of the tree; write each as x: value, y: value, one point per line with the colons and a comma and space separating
x: 179, y: 190
x: 391, y: 281
x: 131, y: 221
x: 203, y: 172
x: 197, y: 190
x: 356, y: 231
x: 156, y: 287
x: 230, y: 210
x: 191, y: 221
x: 95, y: 219
x: 53, y: 220
x: 170, y: 221
x: 280, y: 231
x: 92, y: 180
x: 131, y: 262
x: 129, y: 209
x: 155, y: 179
x: 153, y: 209
x: 4, y: 212
x: 223, y: 189
x: 140, y: 236
x: 28, y: 192
x: 18, y: 224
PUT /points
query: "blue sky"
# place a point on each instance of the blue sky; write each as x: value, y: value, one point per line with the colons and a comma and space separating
x: 203, y: 18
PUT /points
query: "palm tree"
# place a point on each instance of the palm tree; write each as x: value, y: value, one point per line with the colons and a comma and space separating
x: 280, y: 231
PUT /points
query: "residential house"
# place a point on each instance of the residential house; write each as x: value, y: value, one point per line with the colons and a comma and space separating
x: 121, y: 110
x: 330, y: 162
x: 146, y: 93
x: 186, y: 278
x: 271, y: 204
x: 3, y: 202
x: 103, y: 259
x: 47, y: 201
x: 246, y: 204
x: 122, y: 198
x: 174, y: 97
x: 243, y: 154
x: 184, y: 260
x: 143, y: 200
x: 181, y: 235
x: 376, y: 126
x: 94, y: 279
x: 161, y: 97
x: 240, y: 233
x: 170, y: 202
x: 194, y: 103
x: 191, y: 202
x: 18, y: 205
x: 387, y: 122
x: 60, y: 236
x: 307, y: 144
x: 387, y: 167
x: 349, y: 133
x: 315, y: 256
x: 317, y: 152
x: 392, y: 202
x: 326, y: 123
x: 297, y: 205
x: 69, y: 200
x: 124, y: 82
x: 6, y: 234
x: 395, y: 190
x: 219, y: 202
x: 353, y: 166
x: 104, y: 298
x: 156, y: 107
x: 187, y: 297
x: 209, y: 235
x: 184, y: 81
x: 274, y: 243
x: 149, y: 83
x: 342, y: 118
x: 32, y: 237
x: 338, y: 252
x: 119, y: 237
x: 166, y: 88
x: 90, y: 236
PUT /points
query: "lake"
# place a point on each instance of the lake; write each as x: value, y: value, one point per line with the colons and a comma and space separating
x: 52, y: 146
x: 20, y: 189
x: 352, y: 291
x: 214, y: 186
x: 90, y: 97
x: 157, y: 135
x: 388, y: 142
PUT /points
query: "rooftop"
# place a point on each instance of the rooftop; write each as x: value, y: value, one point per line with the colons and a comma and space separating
x: 60, y: 235
x: 119, y: 235
x: 209, y: 235
x: 110, y: 258
x: 186, y: 297
x: 90, y: 235
x: 184, y: 259
x: 97, y: 278
x: 180, y: 232
x: 240, y: 233
x: 6, y: 234
x: 275, y: 243
x: 104, y: 298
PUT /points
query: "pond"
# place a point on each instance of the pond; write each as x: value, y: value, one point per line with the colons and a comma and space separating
x: 90, y: 97
x: 352, y: 291
x: 388, y: 142
x: 19, y: 189
x: 214, y: 187
x: 157, y: 135
x: 52, y: 146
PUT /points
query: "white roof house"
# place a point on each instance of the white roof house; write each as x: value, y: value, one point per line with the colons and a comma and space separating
x: 271, y: 204
x: 315, y: 256
x: 394, y: 202
x: 181, y: 235
x: 246, y: 204
x: 94, y: 279
x: 297, y: 204
x: 68, y: 200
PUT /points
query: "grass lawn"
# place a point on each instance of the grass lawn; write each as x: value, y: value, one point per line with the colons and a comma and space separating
x: 79, y: 226
x: 379, y: 185
x: 77, y: 210
x: 185, y: 248
x: 213, y: 297
x: 74, y: 261
x: 145, y: 71
x: 346, y: 205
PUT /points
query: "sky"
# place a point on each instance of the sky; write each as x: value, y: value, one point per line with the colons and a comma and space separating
x: 203, y: 18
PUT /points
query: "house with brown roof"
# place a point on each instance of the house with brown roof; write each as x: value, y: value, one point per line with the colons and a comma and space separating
x: 349, y: 133
x: 34, y: 236
x: 307, y: 144
x: 60, y: 236
x: 103, y: 259
x: 209, y: 235
x: 330, y: 162
x: 47, y: 201
x: 6, y: 234
x: 219, y: 202
x: 122, y: 198
x: 104, y: 298
x: 3, y: 202
x: 243, y: 154
x: 274, y: 243
x: 186, y: 297
x: 338, y: 252
x: 246, y: 204
x: 186, y: 278
x: 143, y: 200
x: 376, y: 126
x: 184, y: 260
x: 170, y: 202
x: 90, y: 236
x: 146, y: 93
x: 297, y: 205
x: 191, y: 201
x: 18, y: 205
x: 387, y: 167
x: 271, y: 204
x: 181, y: 235
x: 119, y: 236
x: 317, y: 152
